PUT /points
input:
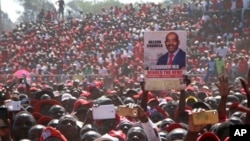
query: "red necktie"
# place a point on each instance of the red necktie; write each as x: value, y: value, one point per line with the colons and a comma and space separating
x: 171, y: 55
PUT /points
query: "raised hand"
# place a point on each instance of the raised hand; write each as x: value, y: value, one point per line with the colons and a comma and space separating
x: 192, y: 127
x: 223, y: 86
x: 246, y: 85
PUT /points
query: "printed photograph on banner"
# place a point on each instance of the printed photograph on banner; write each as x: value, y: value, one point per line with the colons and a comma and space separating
x: 164, y: 59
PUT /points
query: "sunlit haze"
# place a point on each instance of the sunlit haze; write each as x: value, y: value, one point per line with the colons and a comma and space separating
x: 12, y: 7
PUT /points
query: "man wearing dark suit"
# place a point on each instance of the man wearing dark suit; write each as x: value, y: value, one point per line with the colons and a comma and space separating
x: 175, y: 57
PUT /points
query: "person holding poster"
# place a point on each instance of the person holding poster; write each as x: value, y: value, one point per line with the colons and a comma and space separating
x: 164, y: 59
x: 175, y: 58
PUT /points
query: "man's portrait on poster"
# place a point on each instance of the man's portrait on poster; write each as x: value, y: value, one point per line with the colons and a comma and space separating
x: 175, y: 58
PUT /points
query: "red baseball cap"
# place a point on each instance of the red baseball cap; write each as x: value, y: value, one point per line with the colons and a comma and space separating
x: 52, y: 132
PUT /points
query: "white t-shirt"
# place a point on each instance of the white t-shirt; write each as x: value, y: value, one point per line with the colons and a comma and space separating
x: 222, y: 51
x: 103, y: 71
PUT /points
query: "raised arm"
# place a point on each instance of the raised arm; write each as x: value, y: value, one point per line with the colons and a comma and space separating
x: 194, y: 130
x: 182, y: 102
x: 144, y: 98
x: 246, y: 85
x: 224, y: 90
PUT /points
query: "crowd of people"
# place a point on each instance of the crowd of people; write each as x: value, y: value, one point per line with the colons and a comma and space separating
x: 76, y: 64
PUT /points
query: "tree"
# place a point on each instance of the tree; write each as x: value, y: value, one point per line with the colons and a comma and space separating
x: 33, y: 7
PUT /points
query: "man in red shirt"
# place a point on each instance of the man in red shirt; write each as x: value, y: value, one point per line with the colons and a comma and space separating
x: 242, y: 67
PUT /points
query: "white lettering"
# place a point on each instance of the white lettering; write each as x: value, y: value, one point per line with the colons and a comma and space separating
x: 240, y: 132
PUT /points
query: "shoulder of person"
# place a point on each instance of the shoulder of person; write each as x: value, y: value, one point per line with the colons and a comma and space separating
x: 163, y: 56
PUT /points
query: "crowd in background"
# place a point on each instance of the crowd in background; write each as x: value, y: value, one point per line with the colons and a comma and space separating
x: 110, y: 45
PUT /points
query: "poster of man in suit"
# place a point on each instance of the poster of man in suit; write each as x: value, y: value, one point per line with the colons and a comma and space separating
x: 164, y: 59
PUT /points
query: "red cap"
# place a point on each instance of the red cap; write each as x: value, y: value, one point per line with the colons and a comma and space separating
x: 191, y: 88
x: 168, y: 99
x: 118, y: 134
x: 99, y: 84
x: 44, y: 120
x: 52, y: 132
x: 91, y: 86
x: 33, y: 89
x: 111, y: 92
x: 150, y: 95
x: 85, y: 94
x: 39, y: 104
x: 174, y: 126
x: 82, y: 102
x: 208, y: 135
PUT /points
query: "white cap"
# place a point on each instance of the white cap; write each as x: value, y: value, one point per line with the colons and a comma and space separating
x: 66, y: 96
x: 106, y: 137
x: 219, y: 37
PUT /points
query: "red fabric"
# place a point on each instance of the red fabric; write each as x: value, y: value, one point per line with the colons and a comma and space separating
x: 174, y: 126
x: 171, y: 55
x: 118, y: 134
x: 44, y: 120
x: 139, y: 95
x: 82, y: 102
x: 227, y: 139
x: 243, y: 66
x: 36, y: 115
x: 40, y: 103
x: 208, y: 135
x: 214, y: 5
x: 85, y: 94
x: 52, y: 132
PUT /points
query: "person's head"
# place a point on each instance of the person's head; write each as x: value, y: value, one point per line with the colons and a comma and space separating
x: 165, y: 123
x: 64, y: 99
x: 53, y: 123
x: 156, y: 116
x: 86, y: 128
x: 52, y: 134
x: 43, y: 106
x: 22, y: 122
x: 176, y: 134
x: 107, y: 125
x: 163, y: 135
x: 90, y: 136
x: 81, y: 107
x: 35, y: 132
x: 170, y: 108
x: 124, y: 125
x: 136, y: 133
x: 172, y: 42
x: 68, y: 127
x: 56, y: 111
x: 222, y: 130
x: 70, y: 104
x: 45, y: 97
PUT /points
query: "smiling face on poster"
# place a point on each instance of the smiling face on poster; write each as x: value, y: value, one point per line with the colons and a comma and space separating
x: 164, y: 59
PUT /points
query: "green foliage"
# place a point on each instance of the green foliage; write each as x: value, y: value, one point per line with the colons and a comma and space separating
x: 33, y: 7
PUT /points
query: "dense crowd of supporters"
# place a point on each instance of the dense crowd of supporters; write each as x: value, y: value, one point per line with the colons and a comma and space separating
x: 100, y: 57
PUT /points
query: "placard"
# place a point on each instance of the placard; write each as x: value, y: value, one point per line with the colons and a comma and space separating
x: 164, y: 59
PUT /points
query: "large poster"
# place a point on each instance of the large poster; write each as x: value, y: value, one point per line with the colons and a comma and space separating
x: 164, y: 59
